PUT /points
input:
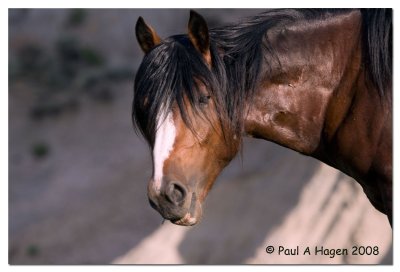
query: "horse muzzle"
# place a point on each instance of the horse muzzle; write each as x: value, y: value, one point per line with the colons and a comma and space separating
x: 176, y: 202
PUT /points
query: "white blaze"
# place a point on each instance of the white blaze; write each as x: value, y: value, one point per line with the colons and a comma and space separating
x: 165, y: 138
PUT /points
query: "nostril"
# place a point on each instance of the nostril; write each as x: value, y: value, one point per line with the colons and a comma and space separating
x: 175, y: 193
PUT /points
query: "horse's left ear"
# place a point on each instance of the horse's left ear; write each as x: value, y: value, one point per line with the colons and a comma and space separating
x: 198, y: 35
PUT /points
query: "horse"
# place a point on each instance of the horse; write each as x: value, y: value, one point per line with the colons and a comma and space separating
x: 317, y: 81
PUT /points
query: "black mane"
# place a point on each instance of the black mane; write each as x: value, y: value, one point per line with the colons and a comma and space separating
x: 168, y: 72
x: 378, y: 41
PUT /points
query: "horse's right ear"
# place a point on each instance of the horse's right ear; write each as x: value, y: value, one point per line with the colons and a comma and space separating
x: 146, y: 36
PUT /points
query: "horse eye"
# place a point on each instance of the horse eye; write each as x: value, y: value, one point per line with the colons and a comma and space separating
x: 203, y: 100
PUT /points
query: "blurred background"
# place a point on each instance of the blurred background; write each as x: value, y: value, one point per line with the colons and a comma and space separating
x: 78, y: 172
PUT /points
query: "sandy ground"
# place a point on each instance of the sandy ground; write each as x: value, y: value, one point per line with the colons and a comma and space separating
x: 85, y: 202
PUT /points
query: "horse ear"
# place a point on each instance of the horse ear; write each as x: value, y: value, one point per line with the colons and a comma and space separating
x: 146, y: 36
x: 198, y: 35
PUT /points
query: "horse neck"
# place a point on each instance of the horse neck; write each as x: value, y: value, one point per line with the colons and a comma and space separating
x: 305, y: 102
